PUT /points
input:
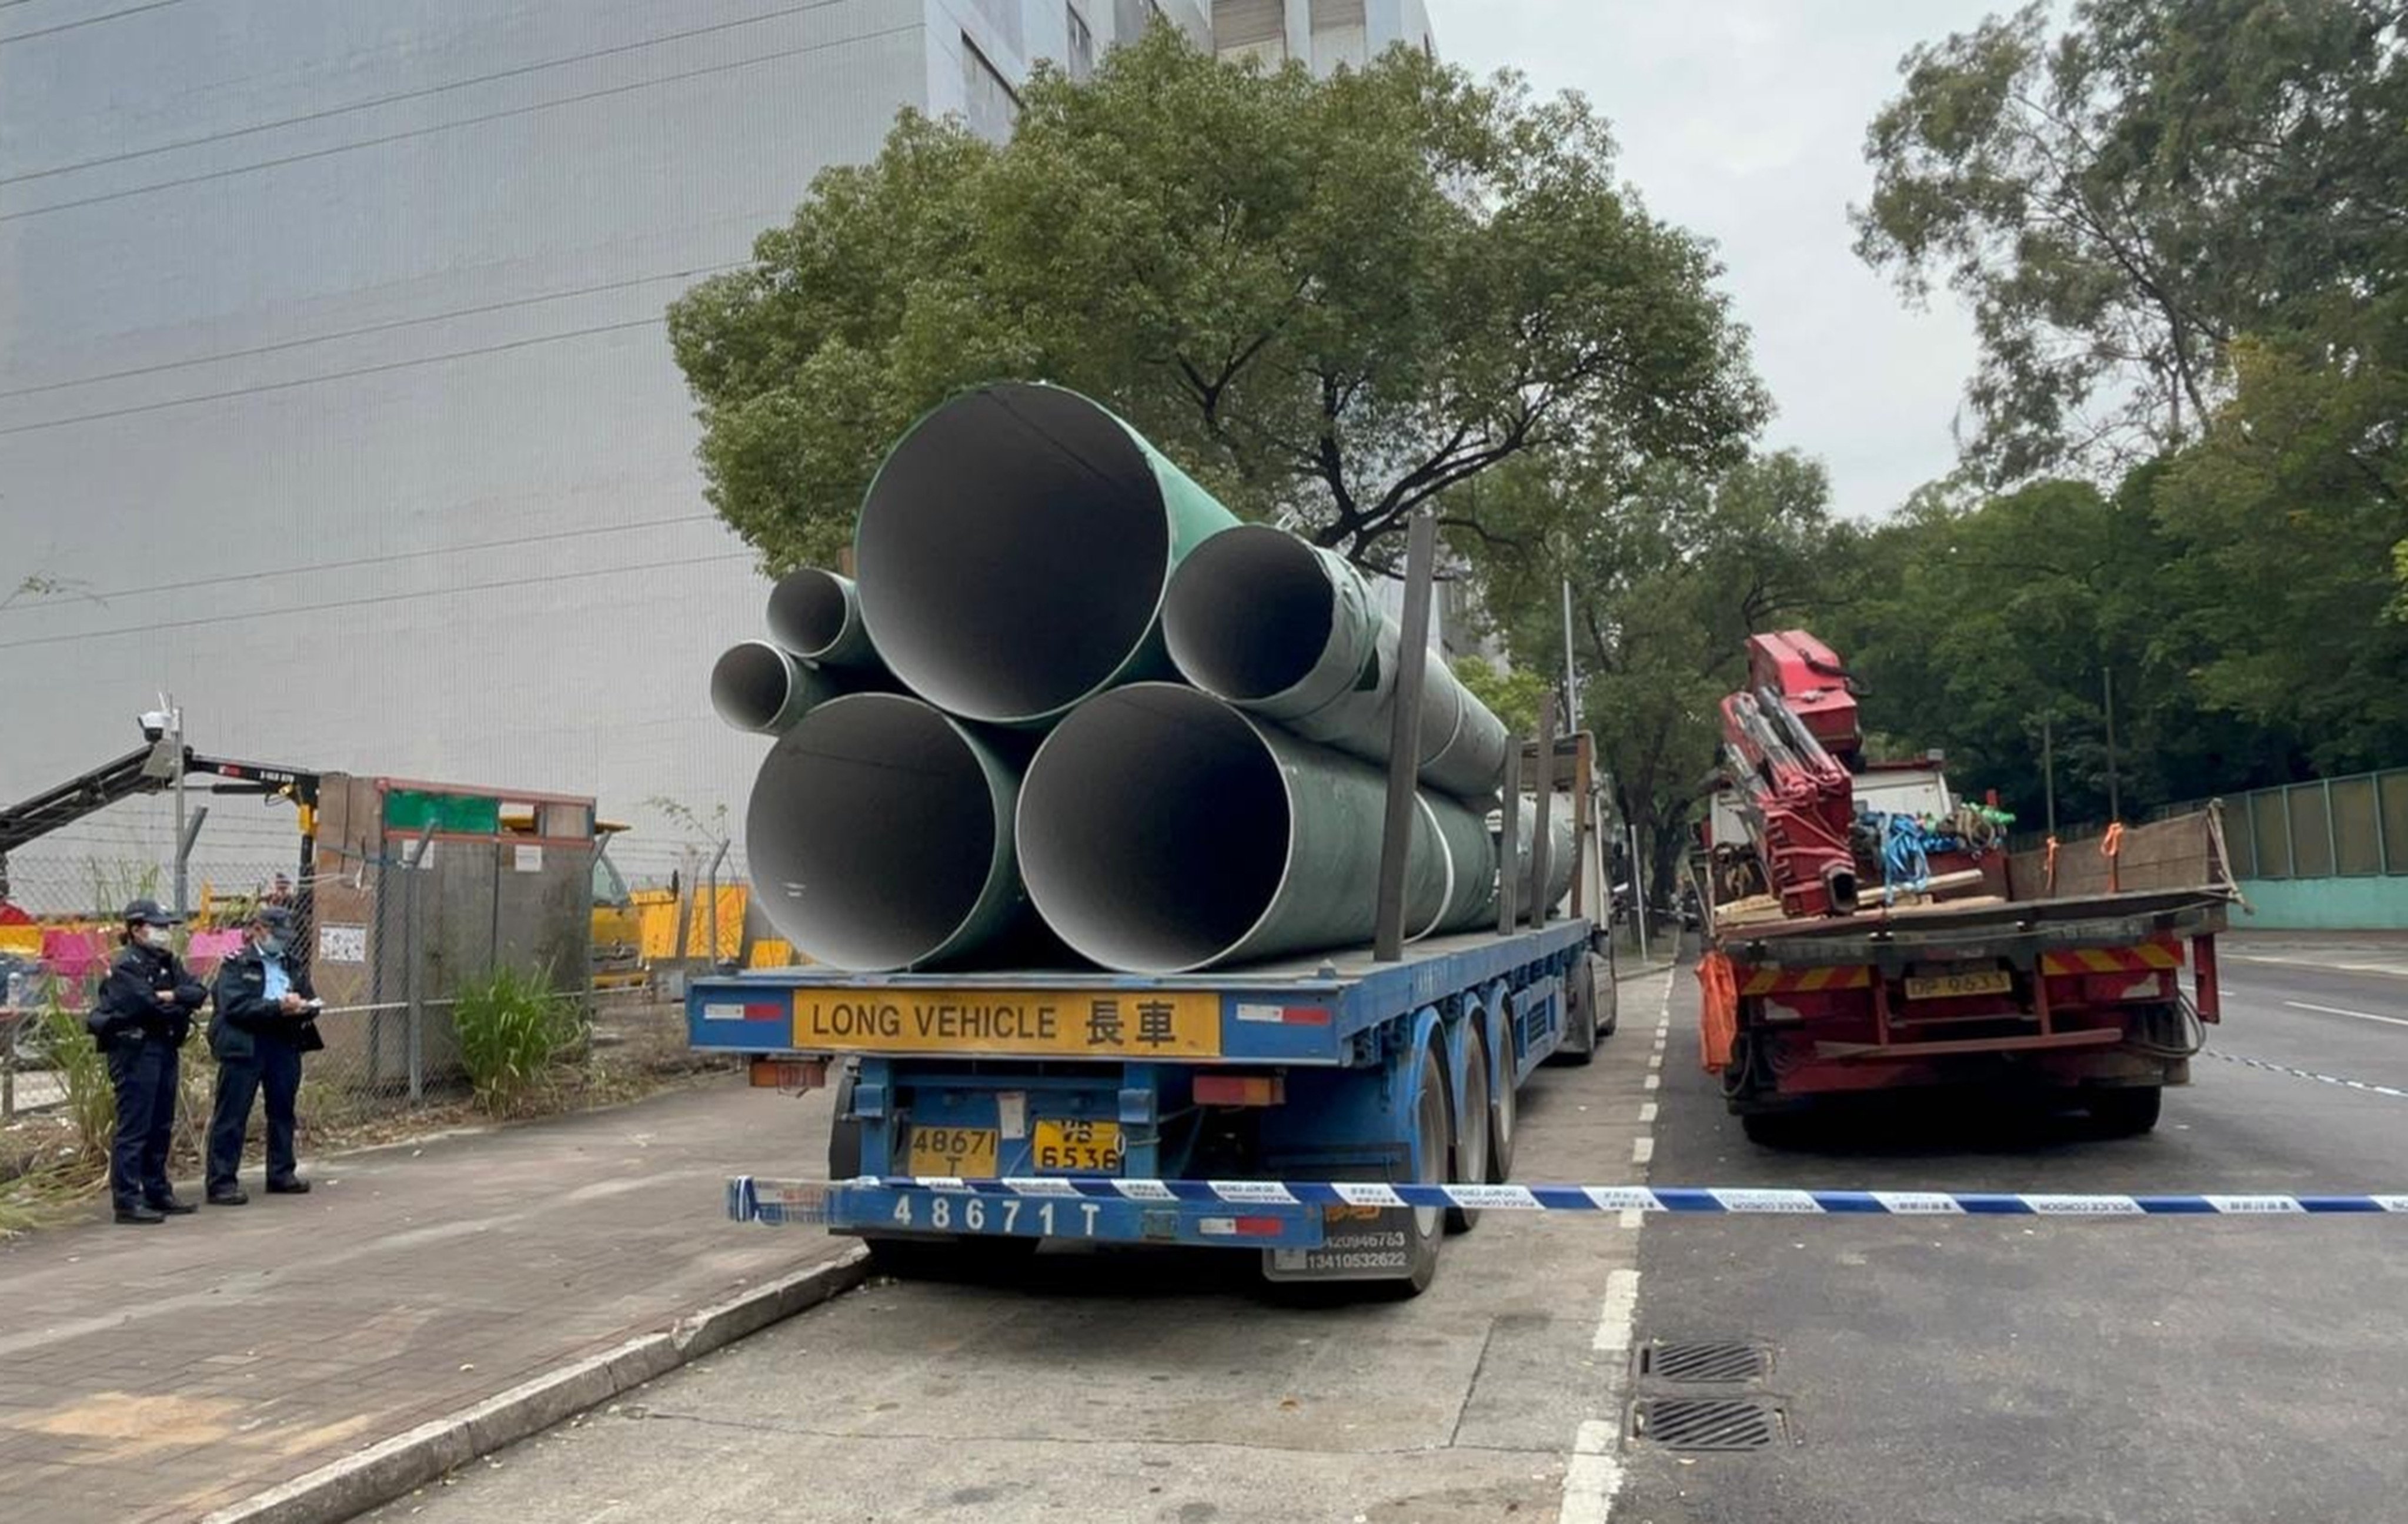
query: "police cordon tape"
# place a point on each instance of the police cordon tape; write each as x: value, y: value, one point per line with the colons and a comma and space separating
x: 2392, y: 1091
x: 793, y: 1201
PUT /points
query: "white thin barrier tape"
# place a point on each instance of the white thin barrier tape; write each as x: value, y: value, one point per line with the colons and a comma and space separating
x: 752, y: 1199
x: 2394, y: 1091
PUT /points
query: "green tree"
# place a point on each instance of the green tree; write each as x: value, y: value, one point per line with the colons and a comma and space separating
x: 1512, y: 695
x: 1670, y: 574
x: 1334, y: 300
x: 2123, y: 200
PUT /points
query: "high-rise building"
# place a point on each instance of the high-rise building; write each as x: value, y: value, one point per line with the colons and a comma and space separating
x: 335, y: 398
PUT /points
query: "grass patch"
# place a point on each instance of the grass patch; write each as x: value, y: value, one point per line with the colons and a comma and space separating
x: 514, y: 1029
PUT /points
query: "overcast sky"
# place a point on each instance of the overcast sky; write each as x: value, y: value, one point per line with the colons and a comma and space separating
x: 1743, y: 121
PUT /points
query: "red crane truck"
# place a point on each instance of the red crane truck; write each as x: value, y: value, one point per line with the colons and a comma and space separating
x: 1851, y: 950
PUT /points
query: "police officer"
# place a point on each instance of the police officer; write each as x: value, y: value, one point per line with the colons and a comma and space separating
x: 141, y: 1017
x: 264, y: 1022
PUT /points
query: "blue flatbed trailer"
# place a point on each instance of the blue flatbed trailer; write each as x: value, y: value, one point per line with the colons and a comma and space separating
x: 1047, y: 1088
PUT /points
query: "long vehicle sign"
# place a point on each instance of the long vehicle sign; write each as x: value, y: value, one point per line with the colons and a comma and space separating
x: 1051, y: 1024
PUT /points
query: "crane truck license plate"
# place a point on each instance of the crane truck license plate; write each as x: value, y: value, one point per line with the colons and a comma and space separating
x: 1989, y: 981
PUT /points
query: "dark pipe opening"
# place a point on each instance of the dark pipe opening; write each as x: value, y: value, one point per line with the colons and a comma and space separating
x: 1012, y: 552
x: 1153, y: 828
x: 807, y: 611
x: 1249, y: 613
x: 870, y: 833
x: 749, y: 685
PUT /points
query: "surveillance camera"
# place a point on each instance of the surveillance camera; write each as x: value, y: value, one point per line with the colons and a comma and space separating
x: 155, y: 723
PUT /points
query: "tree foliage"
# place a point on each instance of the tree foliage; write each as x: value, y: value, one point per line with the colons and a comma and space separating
x: 2122, y: 201
x: 1512, y: 695
x: 1670, y: 574
x: 1330, y: 299
x: 2183, y: 225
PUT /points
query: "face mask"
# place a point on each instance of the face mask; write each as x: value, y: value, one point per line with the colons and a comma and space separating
x: 156, y: 936
x: 271, y: 947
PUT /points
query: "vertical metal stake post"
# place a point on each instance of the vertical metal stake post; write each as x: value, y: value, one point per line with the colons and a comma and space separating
x: 1404, y: 740
x: 1541, y: 850
x: 1509, y: 844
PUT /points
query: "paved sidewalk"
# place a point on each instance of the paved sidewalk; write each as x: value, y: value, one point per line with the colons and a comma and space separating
x: 156, y: 1374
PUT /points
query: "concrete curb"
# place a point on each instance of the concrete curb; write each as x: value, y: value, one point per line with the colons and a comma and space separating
x: 391, y: 1468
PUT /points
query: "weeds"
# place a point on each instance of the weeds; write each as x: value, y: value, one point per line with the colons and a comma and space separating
x: 512, y: 1027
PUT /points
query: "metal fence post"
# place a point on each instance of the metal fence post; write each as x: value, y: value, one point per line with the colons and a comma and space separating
x: 2382, y: 837
x: 413, y: 980
x: 712, y: 925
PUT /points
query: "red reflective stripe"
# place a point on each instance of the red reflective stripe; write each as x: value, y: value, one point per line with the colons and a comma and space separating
x: 1258, y: 1227
x: 1305, y: 1016
x: 754, y: 1012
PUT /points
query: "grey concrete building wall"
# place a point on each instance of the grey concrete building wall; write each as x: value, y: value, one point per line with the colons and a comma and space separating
x: 333, y: 383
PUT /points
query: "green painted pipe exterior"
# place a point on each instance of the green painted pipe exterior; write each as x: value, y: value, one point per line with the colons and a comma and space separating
x: 1162, y: 831
x: 1015, y: 550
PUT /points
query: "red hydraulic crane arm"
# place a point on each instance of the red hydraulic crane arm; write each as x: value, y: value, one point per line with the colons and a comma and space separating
x: 1797, y: 801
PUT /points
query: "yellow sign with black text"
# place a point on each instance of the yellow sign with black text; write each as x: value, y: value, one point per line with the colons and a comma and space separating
x: 1053, y: 1023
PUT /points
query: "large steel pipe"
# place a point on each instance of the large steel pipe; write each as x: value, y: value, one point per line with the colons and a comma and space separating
x: 817, y: 615
x: 1162, y: 829
x: 880, y: 833
x: 755, y: 686
x: 1559, y: 853
x: 1013, y: 552
x: 1284, y: 629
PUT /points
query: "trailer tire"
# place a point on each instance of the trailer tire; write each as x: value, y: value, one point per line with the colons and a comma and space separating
x: 1578, y: 1049
x: 1504, y: 1113
x: 1472, y: 1131
x: 1427, y: 1225
x: 2126, y: 1112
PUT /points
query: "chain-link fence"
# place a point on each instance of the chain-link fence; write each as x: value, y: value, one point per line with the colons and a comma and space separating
x: 400, y: 950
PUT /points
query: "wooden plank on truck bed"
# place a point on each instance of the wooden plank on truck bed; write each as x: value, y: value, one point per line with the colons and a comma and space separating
x: 2184, y: 852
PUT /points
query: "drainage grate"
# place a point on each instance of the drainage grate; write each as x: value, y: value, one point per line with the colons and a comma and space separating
x: 1706, y: 1423
x: 1705, y: 1362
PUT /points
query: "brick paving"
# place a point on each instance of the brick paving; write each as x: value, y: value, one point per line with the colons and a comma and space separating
x: 153, y: 1374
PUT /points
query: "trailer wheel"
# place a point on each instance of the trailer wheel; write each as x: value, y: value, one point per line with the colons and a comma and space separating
x: 1503, y: 1113
x: 1427, y: 1166
x: 2126, y: 1112
x: 1471, y: 1132
x: 1578, y: 1049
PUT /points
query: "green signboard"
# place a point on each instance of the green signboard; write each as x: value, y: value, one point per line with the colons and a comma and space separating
x: 413, y: 811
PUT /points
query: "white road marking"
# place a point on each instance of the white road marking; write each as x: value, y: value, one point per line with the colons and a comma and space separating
x: 2388, y: 971
x: 1613, y: 1319
x: 1632, y: 1217
x: 1594, y: 1475
x: 1655, y: 1060
x: 2336, y: 1010
x: 1642, y: 1150
x: 1646, y: 1112
x: 1655, y: 1080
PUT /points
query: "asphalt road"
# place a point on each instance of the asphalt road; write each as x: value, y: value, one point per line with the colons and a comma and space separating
x: 1973, y: 1370
x: 2173, y: 1369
